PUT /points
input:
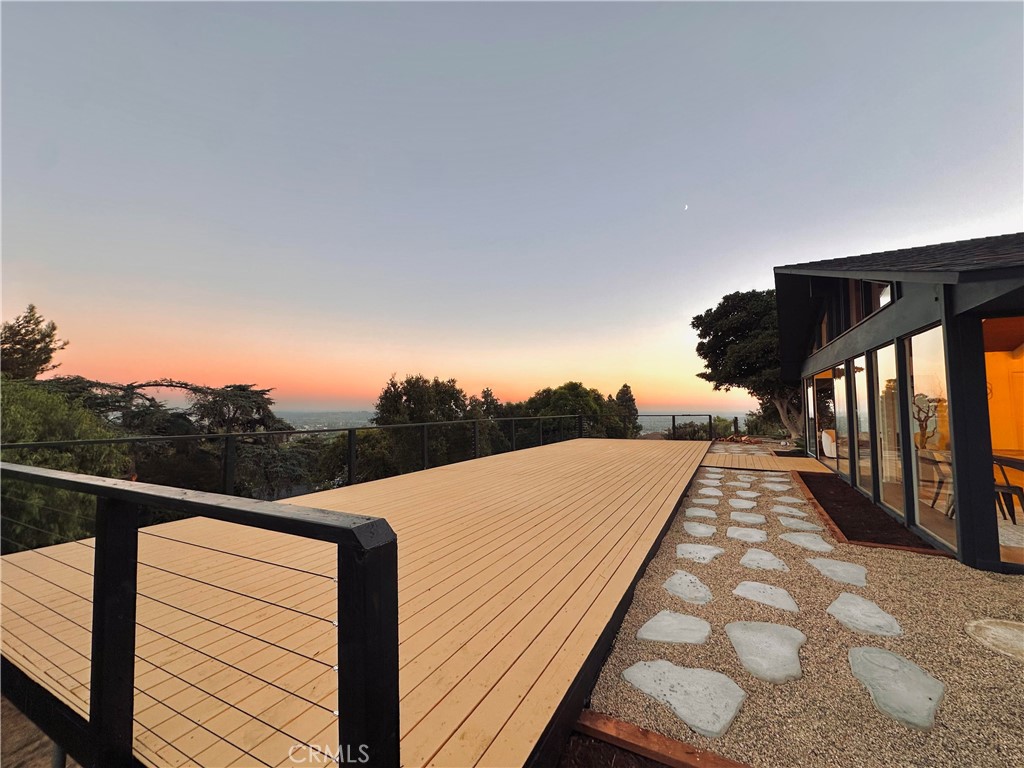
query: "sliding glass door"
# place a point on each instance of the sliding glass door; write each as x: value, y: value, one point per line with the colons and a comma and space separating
x: 888, y: 461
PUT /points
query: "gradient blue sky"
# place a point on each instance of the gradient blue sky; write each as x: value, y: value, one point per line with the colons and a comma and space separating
x: 314, y: 196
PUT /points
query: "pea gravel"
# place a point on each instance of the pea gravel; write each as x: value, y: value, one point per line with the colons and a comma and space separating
x: 826, y: 718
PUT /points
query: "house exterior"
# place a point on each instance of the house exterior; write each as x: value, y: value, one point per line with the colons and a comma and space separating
x: 912, y: 368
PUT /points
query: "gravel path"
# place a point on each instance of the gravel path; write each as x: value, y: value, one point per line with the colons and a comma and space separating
x: 826, y: 718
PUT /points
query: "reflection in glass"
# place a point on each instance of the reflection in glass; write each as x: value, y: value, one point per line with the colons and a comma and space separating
x: 861, y: 425
x: 887, y: 426
x: 929, y: 421
x: 1004, y: 373
x: 842, y: 420
x: 812, y: 443
x: 824, y: 409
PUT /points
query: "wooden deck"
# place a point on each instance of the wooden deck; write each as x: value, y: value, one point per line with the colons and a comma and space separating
x: 510, y: 570
x: 763, y: 462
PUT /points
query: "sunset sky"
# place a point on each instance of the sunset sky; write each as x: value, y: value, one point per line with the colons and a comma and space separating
x: 314, y: 196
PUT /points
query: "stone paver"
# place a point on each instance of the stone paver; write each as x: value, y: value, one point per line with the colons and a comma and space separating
x: 762, y: 560
x: 749, y: 518
x: 738, y: 484
x: 780, y: 509
x: 742, y: 503
x: 710, y: 482
x: 841, y: 571
x: 700, y: 512
x: 862, y: 615
x: 700, y: 530
x: 1003, y: 636
x: 790, y: 500
x: 811, y: 541
x: 704, y: 500
x: 698, y: 553
x: 776, y: 597
x: 688, y: 587
x: 751, y: 535
x: 672, y: 627
x: 709, y: 492
x: 747, y: 494
x: 748, y: 478
x: 769, y: 652
x: 799, y: 525
x: 777, y: 486
x: 898, y: 687
x: 706, y: 701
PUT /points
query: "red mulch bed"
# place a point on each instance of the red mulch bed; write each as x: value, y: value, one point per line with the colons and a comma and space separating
x: 585, y: 752
x: 856, y: 516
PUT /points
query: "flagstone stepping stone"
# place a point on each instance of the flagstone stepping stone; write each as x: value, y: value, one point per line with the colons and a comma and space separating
x: 776, y: 473
x: 811, y: 541
x: 706, y: 701
x: 742, y: 503
x: 841, y: 571
x: 751, y: 535
x: 672, y: 627
x: 776, y: 597
x: 699, y: 553
x: 799, y: 525
x: 898, y: 687
x: 738, y: 484
x: 700, y: 512
x: 1002, y: 636
x: 768, y: 651
x: 748, y: 478
x: 688, y: 587
x: 703, y: 500
x: 777, y: 486
x: 700, y: 530
x: 747, y: 517
x: 790, y: 500
x: 747, y: 494
x: 862, y: 615
x: 762, y: 560
x: 710, y: 482
x: 710, y: 491
x: 779, y: 509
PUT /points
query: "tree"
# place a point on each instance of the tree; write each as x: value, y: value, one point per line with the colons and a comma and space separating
x: 28, y: 344
x: 35, y: 515
x: 629, y: 413
x: 739, y: 343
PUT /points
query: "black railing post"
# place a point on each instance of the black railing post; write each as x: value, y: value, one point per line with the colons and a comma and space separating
x: 476, y: 438
x: 112, y: 683
x: 673, y: 427
x: 351, y: 457
x: 711, y: 433
x: 228, y: 460
x: 513, y: 433
x: 540, y: 431
x: 426, y: 449
x: 368, y: 654
x: 735, y: 425
x: 579, y: 425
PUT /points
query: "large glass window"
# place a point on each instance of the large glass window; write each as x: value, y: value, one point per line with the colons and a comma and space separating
x: 825, y: 416
x: 1004, y: 374
x: 887, y: 430
x: 929, y: 424
x: 842, y: 420
x: 861, y: 423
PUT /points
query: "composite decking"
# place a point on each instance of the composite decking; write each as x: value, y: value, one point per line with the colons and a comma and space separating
x: 764, y: 462
x: 510, y: 569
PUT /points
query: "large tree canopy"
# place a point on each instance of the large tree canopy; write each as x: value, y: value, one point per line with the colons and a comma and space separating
x: 739, y: 343
x: 28, y: 344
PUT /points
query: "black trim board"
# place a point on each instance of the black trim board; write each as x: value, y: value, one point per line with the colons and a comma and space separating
x: 552, y: 741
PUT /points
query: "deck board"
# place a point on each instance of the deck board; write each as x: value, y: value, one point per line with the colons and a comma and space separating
x: 510, y: 568
x: 763, y: 462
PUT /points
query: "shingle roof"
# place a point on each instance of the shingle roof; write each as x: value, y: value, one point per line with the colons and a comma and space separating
x: 979, y: 254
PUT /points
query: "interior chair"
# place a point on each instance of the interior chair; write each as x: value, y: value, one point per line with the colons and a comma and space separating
x: 828, y: 442
x: 1005, y: 494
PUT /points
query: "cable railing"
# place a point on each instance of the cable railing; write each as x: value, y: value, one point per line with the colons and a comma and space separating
x: 246, y: 463
x: 679, y: 426
x: 198, y: 607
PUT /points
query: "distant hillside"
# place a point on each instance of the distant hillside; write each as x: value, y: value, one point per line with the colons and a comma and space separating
x: 326, y: 419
